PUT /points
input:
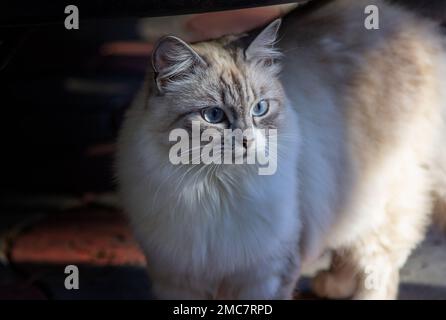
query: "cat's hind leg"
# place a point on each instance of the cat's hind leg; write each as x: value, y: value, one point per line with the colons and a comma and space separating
x: 339, y: 281
x: 368, y: 267
x: 364, y: 271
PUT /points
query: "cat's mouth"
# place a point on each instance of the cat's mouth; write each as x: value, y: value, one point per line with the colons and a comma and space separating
x: 232, y: 155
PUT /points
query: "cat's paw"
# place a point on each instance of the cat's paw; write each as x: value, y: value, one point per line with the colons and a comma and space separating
x: 330, y: 285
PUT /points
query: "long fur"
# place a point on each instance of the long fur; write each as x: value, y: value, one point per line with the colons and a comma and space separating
x: 372, y: 106
x: 362, y: 161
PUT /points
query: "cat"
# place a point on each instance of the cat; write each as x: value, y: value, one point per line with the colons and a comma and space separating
x: 360, y: 119
x: 212, y: 231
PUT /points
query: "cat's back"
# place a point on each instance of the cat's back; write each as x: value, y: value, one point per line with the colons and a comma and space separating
x: 374, y: 80
x: 337, y: 40
x: 363, y: 96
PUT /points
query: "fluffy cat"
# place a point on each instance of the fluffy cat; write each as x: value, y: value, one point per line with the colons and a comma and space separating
x: 212, y: 231
x: 360, y: 119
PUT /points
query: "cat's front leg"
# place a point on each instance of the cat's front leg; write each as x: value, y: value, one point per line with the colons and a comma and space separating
x: 276, y: 280
x: 260, y: 289
x: 251, y: 288
x: 174, y: 287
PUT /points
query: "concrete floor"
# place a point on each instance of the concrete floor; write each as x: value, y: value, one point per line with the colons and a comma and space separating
x: 424, y: 276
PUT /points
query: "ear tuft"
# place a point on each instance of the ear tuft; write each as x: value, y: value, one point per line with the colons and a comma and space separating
x: 172, y: 58
x: 262, y: 48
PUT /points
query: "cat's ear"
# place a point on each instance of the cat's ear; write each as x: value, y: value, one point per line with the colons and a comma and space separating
x: 172, y: 58
x: 262, y: 48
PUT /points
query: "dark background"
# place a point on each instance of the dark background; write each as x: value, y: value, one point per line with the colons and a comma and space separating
x: 62, y: 99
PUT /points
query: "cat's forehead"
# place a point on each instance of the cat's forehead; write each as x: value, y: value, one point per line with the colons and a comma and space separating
x: 228, y: 78
x: 222, y: 54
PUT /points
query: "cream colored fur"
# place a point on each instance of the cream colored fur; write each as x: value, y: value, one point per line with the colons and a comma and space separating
x: 372, y: 110
x: 364, y: 136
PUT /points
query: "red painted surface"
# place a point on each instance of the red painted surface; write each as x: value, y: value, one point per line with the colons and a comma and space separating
x: 90, y: 236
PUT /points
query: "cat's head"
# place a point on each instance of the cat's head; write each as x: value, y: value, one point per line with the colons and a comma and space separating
x: 220, y: 84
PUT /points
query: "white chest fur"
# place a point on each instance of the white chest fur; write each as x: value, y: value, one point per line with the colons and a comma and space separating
x: 195, y: 223
x: 212, y: 225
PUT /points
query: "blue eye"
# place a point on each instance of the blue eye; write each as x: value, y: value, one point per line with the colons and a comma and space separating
x: 213, y: 114
x: 260, y: 108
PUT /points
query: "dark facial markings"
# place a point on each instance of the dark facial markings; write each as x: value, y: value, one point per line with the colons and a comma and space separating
x: 231, y: 90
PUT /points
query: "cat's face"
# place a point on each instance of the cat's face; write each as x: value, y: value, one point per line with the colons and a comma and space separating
x: 219, y: 85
